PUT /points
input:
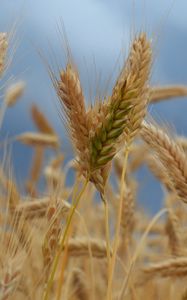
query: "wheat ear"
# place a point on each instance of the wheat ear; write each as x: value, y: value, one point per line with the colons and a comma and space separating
x: 79, y: 285
x: 126, y: 107
x: 72, y: 101
x: 120, y: 117
x: 174, y: 267
x: 80, y: 247
x: 37, y: 208
x: 3, y: 51
x: 41, y: 121
x: 167, y: 92
x: 14, y: 93
x: 170, y: 154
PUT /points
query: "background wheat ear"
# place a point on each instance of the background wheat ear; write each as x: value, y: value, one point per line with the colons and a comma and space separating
x: 171, y: 156
x: 3, y: 51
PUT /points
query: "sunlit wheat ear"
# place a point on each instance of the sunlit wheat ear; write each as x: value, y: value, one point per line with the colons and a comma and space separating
x: 170, y: 154
x: 72, y: 101
x: 126, y: 107
x: 3, y: 51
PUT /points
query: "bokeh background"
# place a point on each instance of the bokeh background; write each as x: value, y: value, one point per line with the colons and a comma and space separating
x: 99, y: 33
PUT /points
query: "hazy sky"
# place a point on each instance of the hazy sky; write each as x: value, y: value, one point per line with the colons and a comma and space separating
x: 99, y: 33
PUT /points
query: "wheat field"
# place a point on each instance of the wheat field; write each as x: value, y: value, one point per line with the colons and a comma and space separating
x: 92, y: 239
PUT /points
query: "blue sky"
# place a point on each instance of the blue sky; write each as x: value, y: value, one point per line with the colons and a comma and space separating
x: 99, y: 33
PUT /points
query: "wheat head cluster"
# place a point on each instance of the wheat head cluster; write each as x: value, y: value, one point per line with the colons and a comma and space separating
x: 62, y: 242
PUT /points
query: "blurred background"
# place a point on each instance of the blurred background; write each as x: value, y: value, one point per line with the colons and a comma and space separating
x: 99, y: 33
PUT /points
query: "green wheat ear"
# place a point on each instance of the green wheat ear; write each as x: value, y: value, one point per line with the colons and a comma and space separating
x: 125, y: 109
